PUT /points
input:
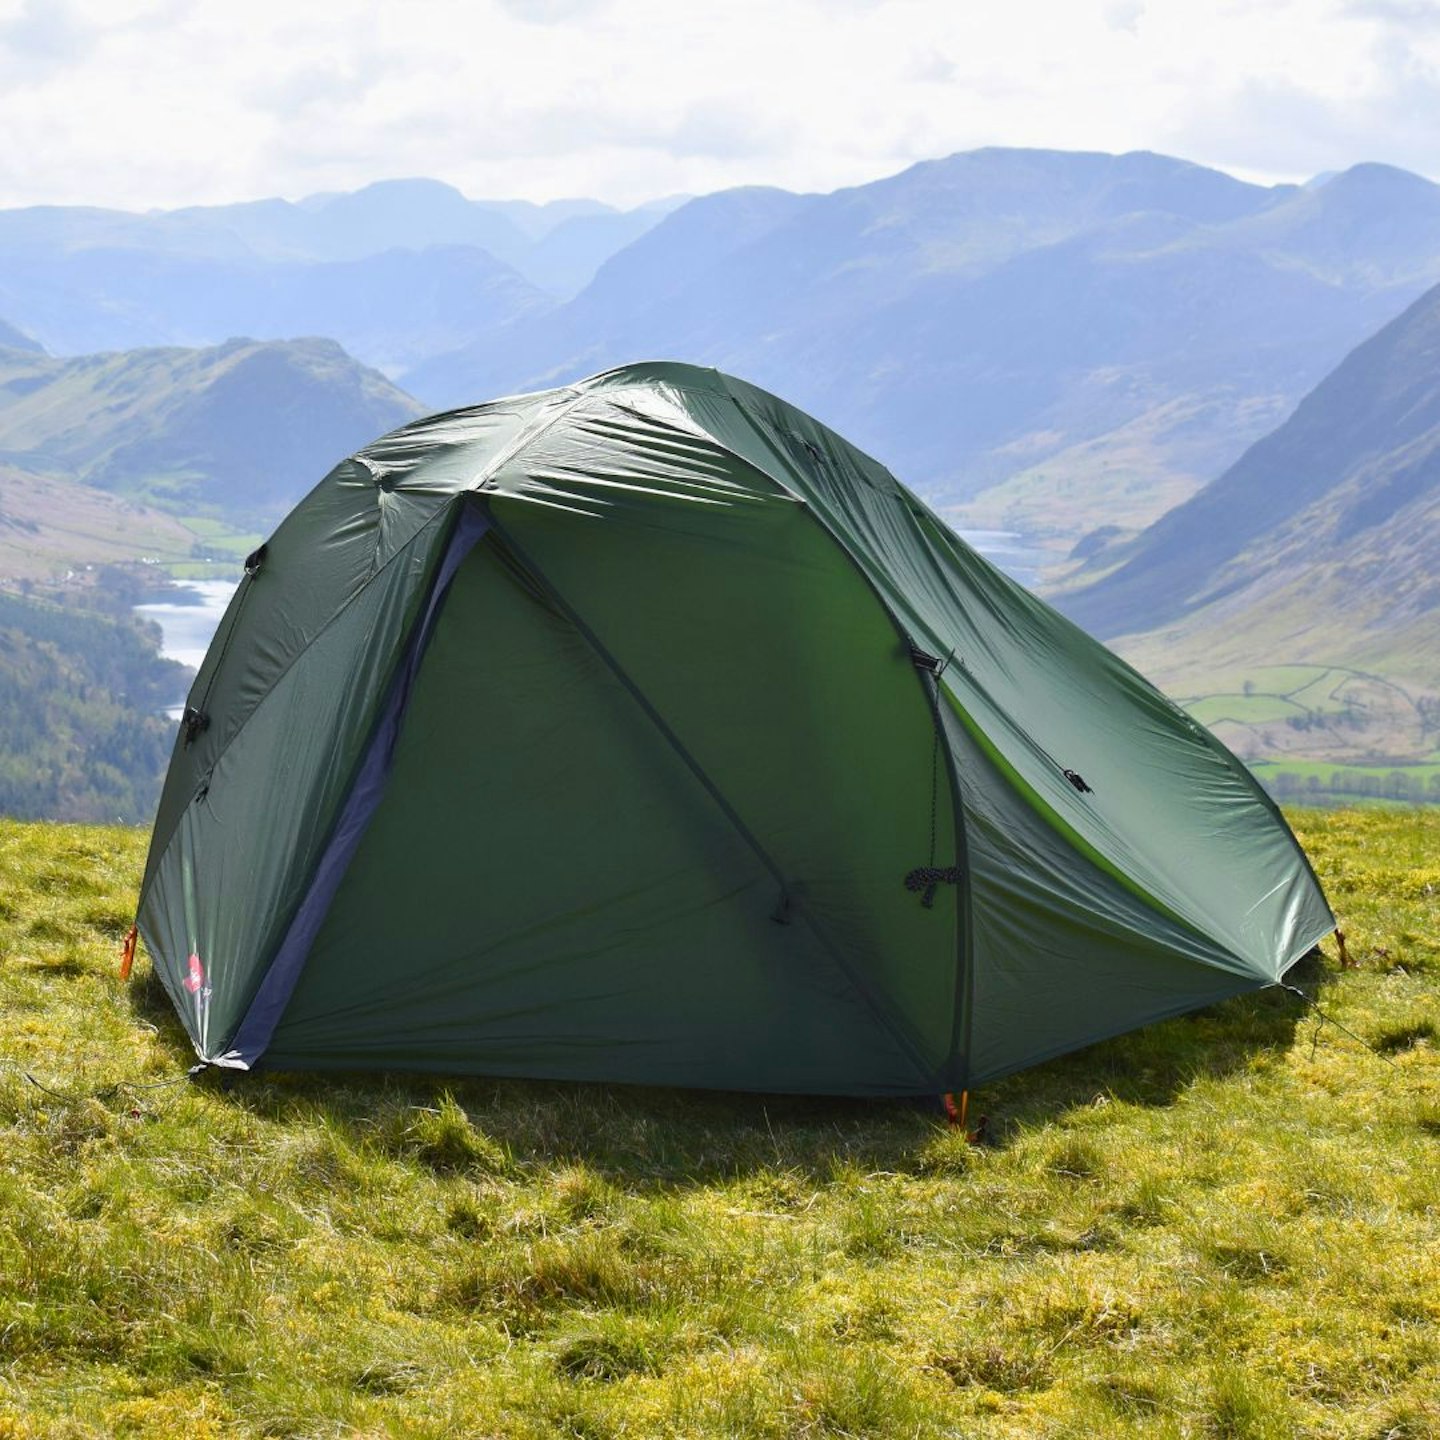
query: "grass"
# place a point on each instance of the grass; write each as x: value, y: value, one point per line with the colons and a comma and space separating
x: 1223, y: 1226
x: 1279, y: 692
x: 218, y: 552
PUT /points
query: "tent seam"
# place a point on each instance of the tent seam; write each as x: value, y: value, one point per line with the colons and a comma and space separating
x: 484, y: 477
x: 1072, y: 837
x: 964, y: 943
x: 289, y: 666
x: 898, y: 1031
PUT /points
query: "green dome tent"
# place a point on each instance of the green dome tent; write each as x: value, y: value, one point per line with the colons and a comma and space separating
x: 645, y: 730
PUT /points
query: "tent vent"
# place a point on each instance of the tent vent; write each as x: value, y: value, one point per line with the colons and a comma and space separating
x: 1078, y: 781
x: 927, y: 878
x: 255, y: 559
x: 193, y: 722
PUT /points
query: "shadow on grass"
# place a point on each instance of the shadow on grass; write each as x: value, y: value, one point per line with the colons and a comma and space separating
x: 639, y: 1135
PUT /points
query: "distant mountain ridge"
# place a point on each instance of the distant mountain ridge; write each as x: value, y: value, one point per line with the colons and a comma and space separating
x: 1320, y: 546
x: 392, y: 308
x: 240, y: 430
x: 396, y: 272
x: 13, y: 339
x: 1360, y: 456
x: 413, y: 214
x: 992, y: 314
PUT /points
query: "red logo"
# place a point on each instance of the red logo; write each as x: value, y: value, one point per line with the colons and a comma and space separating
x: 196, y: 978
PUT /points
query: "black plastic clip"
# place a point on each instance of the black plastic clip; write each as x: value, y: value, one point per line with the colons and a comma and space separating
x: 193, y: 722
x: 1078, y: 781
x: 254, y: 560
x: 923, y: 660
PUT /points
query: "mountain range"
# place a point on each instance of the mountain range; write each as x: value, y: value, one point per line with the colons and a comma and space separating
x: 1319, y: 547
x: 1125, y: 325
x: 396, y: 272
x: 1037, y: 340
x: 556, y: 245
x: 1065, y: 345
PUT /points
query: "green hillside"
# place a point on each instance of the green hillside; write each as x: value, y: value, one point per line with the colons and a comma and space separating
x: 1115, y: 484
x: 1136, y: 1250
x: 240, y: 430
x: 81, y: 734
x: 107, y: 461
x: 52, y: 527
x: 1318, y: 551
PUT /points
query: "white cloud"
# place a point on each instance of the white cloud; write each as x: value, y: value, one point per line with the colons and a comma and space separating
x: 1125, y: 15
x: 1407, y: 14
x: 550, y: 12
x: 1380, y: 102
x: 155, y: 102
x: 40, y: 39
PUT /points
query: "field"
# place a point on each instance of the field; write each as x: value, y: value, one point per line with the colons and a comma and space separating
x: 1318, y: 782
x: 1225, y: 1226
x: 53, y: 531
x: 1327, y: 713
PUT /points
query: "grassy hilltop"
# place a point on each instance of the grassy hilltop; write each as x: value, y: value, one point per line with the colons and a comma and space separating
x: 1222, y: 1226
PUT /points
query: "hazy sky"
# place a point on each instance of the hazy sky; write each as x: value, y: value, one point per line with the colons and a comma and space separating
x: 166, y: 102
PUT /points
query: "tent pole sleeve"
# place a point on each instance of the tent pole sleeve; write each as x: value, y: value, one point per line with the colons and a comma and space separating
x: 253, y: 1036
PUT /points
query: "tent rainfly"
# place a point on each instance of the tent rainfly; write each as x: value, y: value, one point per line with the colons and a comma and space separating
x: 645, y: 730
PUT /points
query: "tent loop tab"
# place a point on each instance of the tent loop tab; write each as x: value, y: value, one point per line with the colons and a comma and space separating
x: 923, y: 660
x: 193, y: 722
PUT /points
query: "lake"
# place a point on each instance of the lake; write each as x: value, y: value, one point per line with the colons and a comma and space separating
x: 188, y: 624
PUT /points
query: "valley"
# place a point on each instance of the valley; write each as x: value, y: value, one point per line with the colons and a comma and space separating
x: 1097, y: 367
